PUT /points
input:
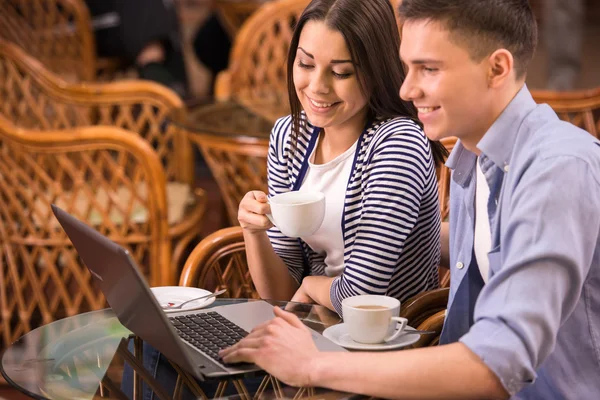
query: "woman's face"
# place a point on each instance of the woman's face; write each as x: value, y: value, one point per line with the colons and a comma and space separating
x: 326, y: 80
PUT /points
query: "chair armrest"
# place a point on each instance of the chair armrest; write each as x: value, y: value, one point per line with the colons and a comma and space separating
x: 223, y: 86
x: 423, y: 305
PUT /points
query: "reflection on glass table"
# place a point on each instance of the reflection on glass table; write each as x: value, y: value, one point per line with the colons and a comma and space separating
x: 82, y: 357
x: 228, y: 118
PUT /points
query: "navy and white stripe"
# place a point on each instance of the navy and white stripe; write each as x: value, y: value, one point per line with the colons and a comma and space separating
x: 391, y: 218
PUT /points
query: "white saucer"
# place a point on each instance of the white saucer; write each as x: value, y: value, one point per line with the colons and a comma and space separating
x: 179, y: 294
x: 338, y: 335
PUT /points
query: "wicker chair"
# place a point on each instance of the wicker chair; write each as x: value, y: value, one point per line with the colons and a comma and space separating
x: 433, y: 323
x: 427, y: 311
x: 35, y: 98
x: 256, y: 76
x: 59, y: 34
x: 109, y: 178
x: 219, y: 261
x: 234, y: 13
x: 238, y: 164
x: 581, y: 108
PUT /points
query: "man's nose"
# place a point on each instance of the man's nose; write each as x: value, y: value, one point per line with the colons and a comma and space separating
x: 409, y: 90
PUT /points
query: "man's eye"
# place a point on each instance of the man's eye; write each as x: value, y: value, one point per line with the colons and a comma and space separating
x: 426, y: 69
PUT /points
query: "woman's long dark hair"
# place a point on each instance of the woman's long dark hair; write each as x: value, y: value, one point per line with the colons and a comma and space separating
x: 371, y: 34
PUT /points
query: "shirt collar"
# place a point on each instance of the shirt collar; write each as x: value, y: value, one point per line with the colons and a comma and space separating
x: 497, y: 143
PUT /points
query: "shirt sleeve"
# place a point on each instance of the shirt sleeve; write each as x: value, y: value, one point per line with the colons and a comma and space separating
x: 394, y: 179
x: 280, y: 181
x: 549, y: 236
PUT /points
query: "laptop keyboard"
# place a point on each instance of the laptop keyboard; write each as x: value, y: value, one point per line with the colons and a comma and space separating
x: 208, y: 332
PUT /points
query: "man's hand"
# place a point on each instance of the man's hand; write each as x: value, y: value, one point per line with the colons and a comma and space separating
x: 283, y: 347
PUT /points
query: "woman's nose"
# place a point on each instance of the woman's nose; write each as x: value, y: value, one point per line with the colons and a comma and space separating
x: 319, y: 84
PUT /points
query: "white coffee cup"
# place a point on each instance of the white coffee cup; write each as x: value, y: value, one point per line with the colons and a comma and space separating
x: 373, y: 319
x: 297, y: 213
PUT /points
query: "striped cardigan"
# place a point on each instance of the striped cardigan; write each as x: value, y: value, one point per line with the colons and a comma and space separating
x: 390, y: 222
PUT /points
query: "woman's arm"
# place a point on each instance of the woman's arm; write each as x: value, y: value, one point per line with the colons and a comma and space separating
x: 274, y: 260
x: 269, y: 273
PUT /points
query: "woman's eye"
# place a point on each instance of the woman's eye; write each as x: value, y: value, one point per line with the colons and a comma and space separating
x: 302, y: 65
x: 341, y: 76
x: 426, y: 69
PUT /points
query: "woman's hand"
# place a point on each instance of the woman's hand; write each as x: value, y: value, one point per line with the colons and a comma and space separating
x: 301, y: 296
x: 252, y: 212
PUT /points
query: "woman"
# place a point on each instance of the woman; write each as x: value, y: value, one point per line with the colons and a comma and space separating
x: 351, y: 137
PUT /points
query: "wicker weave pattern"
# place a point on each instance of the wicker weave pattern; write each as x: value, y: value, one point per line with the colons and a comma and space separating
x: 238, y: 164
x: 257, y: 72
x: 37, y: 99
x: 57, y: 32
x: 234, y: 13
x: 41, y: 276
x: 579, y: 108
x: 219, y: 261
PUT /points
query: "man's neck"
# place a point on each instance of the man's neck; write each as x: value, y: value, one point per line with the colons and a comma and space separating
x: 502, y: 100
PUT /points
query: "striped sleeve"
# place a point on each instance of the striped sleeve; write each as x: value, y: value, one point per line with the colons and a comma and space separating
x: 279, y: 181
x: 382, y: 208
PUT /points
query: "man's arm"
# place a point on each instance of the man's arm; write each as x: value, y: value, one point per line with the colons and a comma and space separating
x: 284, y: 348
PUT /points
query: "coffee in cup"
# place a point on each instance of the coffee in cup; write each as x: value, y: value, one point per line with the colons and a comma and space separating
x: 373, y: 319
x: 297, y: 213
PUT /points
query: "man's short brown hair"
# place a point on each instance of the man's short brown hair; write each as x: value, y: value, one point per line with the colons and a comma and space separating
x: 482, y: 26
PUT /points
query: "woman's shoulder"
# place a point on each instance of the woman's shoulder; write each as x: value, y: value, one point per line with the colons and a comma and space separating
x: 396, y: 126
x: 398, y: 129
x: 283, y: 125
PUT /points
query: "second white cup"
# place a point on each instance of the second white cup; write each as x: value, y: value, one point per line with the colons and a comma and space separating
x: 373, y: 319
x: 297, y: 213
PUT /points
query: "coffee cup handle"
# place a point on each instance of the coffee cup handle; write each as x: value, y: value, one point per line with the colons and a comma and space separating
x: 401, y: 325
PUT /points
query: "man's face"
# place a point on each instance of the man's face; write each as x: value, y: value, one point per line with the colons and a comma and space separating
x: 449, y: 89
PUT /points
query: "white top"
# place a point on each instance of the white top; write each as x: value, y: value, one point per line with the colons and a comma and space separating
x: 483, y: 235
x: 330, y: 178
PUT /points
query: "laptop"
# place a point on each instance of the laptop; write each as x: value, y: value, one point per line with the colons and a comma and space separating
x: 182, y: 338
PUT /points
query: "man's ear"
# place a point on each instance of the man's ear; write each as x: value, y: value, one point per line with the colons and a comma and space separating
x: 501, y: 67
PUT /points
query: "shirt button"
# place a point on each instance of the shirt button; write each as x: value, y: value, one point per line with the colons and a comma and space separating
x: 506, y: 168
x: 459, y: 265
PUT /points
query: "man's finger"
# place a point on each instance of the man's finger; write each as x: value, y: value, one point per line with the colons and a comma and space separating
x: 240, y: 355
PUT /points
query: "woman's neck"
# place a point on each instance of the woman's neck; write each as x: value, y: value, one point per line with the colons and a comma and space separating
x: 334, y: 141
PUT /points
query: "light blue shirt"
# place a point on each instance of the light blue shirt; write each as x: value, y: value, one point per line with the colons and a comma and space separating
x: 536, y: 323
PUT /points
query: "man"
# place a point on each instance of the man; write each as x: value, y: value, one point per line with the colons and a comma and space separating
x: 524, y: 310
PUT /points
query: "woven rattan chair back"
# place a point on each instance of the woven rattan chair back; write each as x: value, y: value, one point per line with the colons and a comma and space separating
x: 238, y: 164
x: 81, y: 171
x: 56, y: 32
x: 581, y: 108
x: 219, y: 261
x: 257, y: 72
x: 35, y: 98
x: 233, y: 14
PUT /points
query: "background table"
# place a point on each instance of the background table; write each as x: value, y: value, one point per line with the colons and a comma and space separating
x: 82, y: 357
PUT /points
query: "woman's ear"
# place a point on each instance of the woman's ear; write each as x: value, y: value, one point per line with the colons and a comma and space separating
x: 501, y: 67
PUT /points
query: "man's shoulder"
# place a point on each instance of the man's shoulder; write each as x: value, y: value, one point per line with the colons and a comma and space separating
x: 547, y: 137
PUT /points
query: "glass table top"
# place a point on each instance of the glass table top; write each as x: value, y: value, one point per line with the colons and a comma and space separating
x: 67, y: 359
